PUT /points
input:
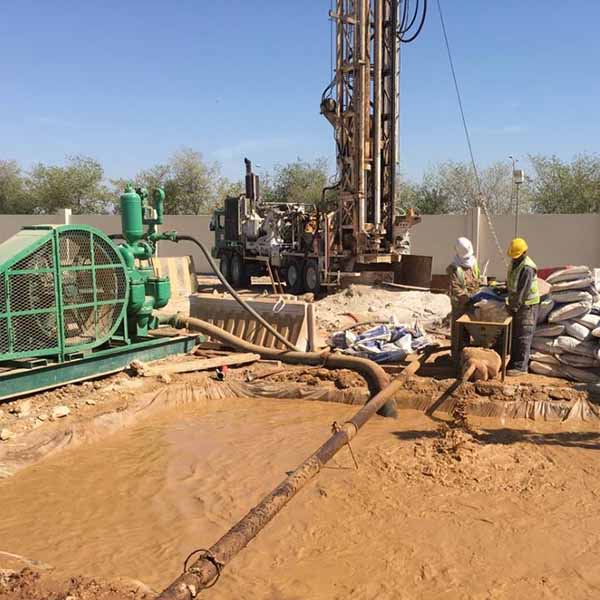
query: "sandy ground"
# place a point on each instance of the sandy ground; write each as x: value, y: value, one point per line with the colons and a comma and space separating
x: 432, y: 512
x: 503, y: 510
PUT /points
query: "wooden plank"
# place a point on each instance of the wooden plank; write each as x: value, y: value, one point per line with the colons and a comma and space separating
x: 200, y: 364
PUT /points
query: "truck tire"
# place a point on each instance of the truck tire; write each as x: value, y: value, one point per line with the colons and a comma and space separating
x: 225, y: 266
x: 312, y: 277
x: 239, y: 273
x: 294, y: 278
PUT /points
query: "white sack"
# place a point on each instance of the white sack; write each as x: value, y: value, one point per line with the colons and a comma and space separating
x: 545, y: 345
x: 545, y: 369
x: 568, y: 274
x: 550, y: 330
x: 578, y: 331
x: 546, y: 306
x: 565, y: 312
x: 572, y: 296
x: 575, y: 360
x: 575, y: 284
x: 573, y: 346
x: 590, y: 321
x: 547, y: 359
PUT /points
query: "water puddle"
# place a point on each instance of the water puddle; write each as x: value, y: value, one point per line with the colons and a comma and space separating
x: 136, y: 503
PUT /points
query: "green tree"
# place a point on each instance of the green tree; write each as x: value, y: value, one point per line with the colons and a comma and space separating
x: 427, y: 200
x: 192, y: 186
x: 561, y: 187
x: 79, y: 185
x: 13, y: 195
x: 452, y: 187
x: 298, y: 181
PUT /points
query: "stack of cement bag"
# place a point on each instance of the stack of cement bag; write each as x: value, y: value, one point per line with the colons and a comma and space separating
x: 567, y: 339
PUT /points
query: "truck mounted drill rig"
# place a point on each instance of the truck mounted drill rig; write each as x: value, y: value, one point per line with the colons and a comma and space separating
x: 356, y: 226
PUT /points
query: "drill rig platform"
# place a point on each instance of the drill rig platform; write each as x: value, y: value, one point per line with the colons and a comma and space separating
x: 356, y: 227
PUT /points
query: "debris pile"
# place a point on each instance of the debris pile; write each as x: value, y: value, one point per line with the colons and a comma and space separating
x: 383, y: 343
x: 567, y: 339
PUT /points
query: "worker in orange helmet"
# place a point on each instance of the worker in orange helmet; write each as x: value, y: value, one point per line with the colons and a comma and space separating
x: 523, y: 304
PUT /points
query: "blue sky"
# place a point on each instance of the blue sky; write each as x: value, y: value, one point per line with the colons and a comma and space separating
x: 130, y: 82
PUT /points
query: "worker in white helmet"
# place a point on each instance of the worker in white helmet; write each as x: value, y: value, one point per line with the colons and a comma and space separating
x: 465, y: 280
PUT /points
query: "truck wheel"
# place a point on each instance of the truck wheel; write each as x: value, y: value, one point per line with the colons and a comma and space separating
x: 293, y: 278
x: 239, y: 274
x: 225, y: 267
x: 312, y: 277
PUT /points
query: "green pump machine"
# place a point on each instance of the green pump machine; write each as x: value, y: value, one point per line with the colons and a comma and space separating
x: 75, y: 305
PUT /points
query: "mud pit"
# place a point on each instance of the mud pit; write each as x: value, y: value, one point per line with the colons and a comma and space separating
x: 433, y: 512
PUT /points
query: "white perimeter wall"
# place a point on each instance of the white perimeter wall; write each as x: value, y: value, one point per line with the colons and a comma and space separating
x: 554, y: 240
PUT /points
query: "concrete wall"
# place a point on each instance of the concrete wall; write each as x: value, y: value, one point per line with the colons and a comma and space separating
x: 554, y: 240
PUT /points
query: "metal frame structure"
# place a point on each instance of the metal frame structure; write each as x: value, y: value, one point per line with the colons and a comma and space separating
x: 362, y: 105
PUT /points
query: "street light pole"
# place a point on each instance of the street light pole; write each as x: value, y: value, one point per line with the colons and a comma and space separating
x: 518, y: 177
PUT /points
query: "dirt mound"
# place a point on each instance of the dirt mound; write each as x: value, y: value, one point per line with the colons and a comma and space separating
x: 369, y: 302
x: 30, y: 584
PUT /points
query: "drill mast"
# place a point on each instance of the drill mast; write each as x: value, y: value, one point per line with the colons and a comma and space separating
x: 362, y: 105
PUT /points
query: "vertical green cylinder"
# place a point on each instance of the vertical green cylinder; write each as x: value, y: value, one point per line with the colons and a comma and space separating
x: 131, y: 216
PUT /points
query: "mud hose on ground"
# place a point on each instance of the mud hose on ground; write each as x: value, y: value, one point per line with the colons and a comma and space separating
x: 228, y: 287
x: 205, y: 571
x: 237, y: 297
x: 377, y: 379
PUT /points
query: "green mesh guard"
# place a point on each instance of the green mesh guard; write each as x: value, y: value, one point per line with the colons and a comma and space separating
x: 62, y: 290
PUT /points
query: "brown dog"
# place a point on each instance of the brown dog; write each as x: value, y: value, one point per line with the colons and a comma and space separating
x: 479, y: 364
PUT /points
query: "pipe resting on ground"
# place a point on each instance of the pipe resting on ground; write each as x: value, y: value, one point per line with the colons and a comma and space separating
x: 377, y: 379
x: 205, y: 571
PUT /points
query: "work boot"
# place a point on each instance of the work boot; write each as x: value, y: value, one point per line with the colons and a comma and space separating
x: 515, y: 373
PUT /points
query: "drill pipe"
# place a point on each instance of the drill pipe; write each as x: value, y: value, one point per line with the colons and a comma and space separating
x: 203, y: 572
x: 377, y: 379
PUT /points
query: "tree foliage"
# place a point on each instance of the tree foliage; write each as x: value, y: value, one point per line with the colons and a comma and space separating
x: 195, y: 186
x: 13, y: 198
x: 78, y: 185
x: 560, y: 187
x: 452, y: 187
x: 298, y: 181
x: 192, y: 186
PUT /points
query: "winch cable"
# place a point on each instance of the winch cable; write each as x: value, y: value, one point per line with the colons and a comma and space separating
x: 482, y: 201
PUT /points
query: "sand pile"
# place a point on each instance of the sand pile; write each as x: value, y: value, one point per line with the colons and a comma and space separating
x: 368, y: 302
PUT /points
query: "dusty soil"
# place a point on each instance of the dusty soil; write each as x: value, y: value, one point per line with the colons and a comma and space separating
x: 502, y: 509
x: 433, y: 511
x: 368, y: 302
x: 33, y: 584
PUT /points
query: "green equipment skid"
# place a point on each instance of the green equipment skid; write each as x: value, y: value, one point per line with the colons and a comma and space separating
x: 75, y: 305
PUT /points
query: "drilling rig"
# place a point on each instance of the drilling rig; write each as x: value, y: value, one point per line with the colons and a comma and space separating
x: 356, y: 227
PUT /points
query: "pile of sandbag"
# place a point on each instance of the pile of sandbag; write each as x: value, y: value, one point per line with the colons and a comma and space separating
x: 567, y: 339
x: 383, y: 343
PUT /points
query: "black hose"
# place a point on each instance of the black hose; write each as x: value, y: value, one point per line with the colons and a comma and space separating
x: 236, y: 296
x: 416, y: 34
